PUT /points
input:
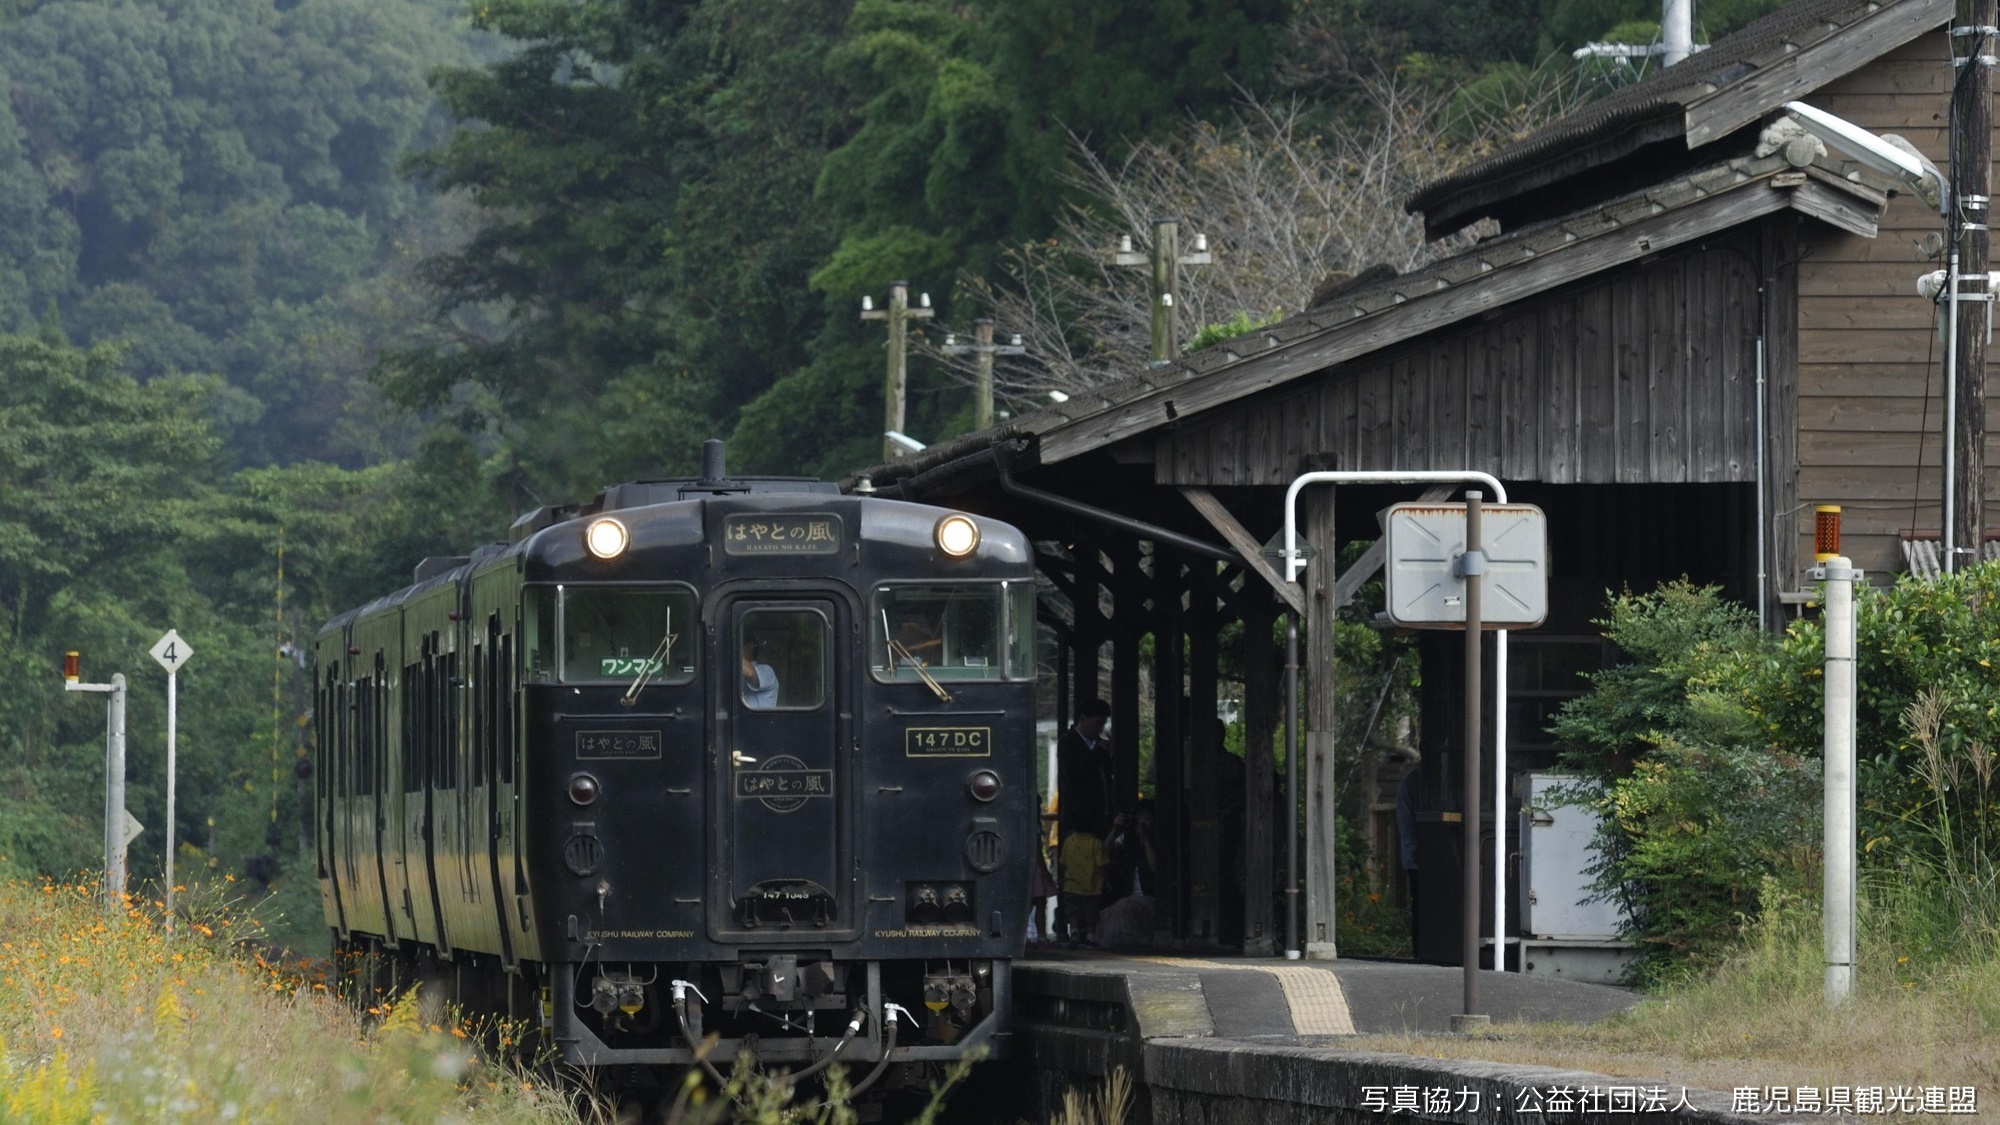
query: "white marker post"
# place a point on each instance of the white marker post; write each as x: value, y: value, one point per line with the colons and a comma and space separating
x: 1837, y: 809
x: 171, y: 652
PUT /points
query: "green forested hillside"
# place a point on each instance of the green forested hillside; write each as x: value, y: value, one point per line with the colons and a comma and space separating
x: 371, y: 275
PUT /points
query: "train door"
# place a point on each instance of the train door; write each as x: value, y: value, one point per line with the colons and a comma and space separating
x: 780, y: 769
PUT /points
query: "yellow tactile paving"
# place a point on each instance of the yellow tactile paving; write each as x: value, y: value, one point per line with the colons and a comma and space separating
x: 1314, y: 996
x: 1318, y: 1006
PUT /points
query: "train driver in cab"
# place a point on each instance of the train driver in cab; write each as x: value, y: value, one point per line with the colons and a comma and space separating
x: 760, y: 680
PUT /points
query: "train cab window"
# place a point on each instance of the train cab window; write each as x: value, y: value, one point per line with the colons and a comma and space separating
x: 949, y: 631
x: 616, y: 634
x: 783, y: 659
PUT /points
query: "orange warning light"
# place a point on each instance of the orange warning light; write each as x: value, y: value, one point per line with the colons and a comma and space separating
x: 1826, y: 532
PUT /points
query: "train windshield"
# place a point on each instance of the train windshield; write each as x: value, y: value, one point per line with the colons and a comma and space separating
x: 617, y: 634
x: 952, y: 631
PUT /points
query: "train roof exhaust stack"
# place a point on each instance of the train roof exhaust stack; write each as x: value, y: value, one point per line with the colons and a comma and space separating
x: 712, y: 470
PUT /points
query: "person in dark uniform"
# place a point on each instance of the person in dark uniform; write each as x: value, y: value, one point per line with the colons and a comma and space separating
x: 1084, y: 783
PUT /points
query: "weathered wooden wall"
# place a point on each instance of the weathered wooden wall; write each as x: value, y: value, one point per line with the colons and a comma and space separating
x: 1870, y: 365
x: 1646, y: 376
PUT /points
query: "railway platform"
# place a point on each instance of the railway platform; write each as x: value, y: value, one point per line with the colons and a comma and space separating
x: 1255, y: 1041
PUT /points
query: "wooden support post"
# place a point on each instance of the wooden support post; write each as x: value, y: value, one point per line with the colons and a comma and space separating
x: 1262, y: 700
x: 1090, y: 629
x: 1128, y: 620
x: 1316, y: 511
x: 1170, y: 810
x: 1781, y: 441
x: 1204, y: 867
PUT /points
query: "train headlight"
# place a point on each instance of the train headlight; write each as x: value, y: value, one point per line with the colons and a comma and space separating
x: 984, y: 785
x: 606, y: 538
x: 582, y: 788
x: 957, y: 535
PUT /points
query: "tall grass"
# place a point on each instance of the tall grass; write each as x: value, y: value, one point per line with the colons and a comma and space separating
x: 106, y: 1018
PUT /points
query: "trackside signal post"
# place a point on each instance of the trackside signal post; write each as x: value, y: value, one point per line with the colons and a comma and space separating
x: 116, y: 837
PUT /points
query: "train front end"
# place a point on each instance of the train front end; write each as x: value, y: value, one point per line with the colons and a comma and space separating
x: 778, y: 755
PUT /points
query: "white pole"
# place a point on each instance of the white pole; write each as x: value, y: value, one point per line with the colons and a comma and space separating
x: 1950, y: 409
x: 171, y: 838
x: 1676, y: 31
x: 114, y: 799
x: 1837, y: 919
x: 1500, y: 801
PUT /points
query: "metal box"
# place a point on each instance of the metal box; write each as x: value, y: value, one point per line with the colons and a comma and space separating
x: 1566, y: 930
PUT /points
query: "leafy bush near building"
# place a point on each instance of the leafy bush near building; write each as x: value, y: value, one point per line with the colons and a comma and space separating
x: 1706, y: 748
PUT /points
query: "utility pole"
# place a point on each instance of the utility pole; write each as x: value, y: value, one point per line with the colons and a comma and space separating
x: 1164, y: 259
x: 985, y: 349
x: 895, y: 385
x: 1971, y: 188
x: 117, y: 832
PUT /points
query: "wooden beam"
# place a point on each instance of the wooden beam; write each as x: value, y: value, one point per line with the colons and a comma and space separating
x: 1237, y: 536
x: 1426, y: 312
x: 1371, y: 560
x: 1836, y: 206
x: 1852, y: 47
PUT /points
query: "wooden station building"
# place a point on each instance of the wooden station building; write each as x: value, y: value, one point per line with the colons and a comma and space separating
x: 1680, y: 330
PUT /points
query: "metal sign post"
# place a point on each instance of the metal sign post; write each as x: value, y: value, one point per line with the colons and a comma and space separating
x: 116, y: 835
x: 171, y: 652
x: 1471, y: 567
x: 1525, y: 603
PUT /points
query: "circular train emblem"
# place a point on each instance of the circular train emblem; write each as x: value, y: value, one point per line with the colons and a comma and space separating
x: 785, y: 784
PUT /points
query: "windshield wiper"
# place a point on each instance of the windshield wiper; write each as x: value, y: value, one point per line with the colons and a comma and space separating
x: 656, y: 661
x: 896, y: 649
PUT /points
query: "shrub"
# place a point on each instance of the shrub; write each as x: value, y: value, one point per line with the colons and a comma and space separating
x: 1704, y: 751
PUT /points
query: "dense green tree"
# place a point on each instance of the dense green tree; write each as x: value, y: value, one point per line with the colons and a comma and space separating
x: 206, y: 178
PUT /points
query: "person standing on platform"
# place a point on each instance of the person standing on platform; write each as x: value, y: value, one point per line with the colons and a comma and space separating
x: 1084, y: 779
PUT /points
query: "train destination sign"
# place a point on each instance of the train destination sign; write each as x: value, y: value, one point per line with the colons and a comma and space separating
x: 808, y: 533
x: 616, y: 745
x: 948, y: 742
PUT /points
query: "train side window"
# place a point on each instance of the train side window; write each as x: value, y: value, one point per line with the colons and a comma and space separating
x: 364, y: 740
x: 948, y: 631
x: 448, y: 707
x: 615, y: 634
x: 413, y: 759
x: 510, y: 737
x: 783, y: 659
x: 381, y: 713
x: 481, y: 728
x: 538, y: 636
x: 1021, y: 630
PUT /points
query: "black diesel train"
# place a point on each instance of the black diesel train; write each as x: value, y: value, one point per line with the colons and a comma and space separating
x: 749, y: 758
